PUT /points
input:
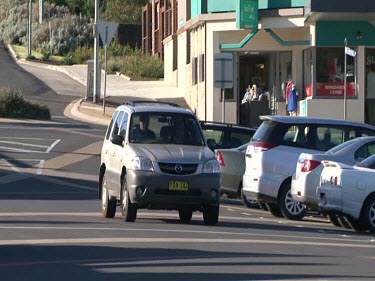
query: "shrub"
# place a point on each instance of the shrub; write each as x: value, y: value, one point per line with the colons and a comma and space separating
x: 81, y: 54
x: 59, y: 33
x: 13, y: 105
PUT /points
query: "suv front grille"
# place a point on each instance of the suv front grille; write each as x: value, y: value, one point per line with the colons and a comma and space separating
x: 178, y: 169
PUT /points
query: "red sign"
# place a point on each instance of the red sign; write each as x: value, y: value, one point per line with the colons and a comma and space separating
x: 308, y: 91
x: 334, y: 89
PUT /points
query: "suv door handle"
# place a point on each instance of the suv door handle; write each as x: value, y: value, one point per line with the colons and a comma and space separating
x: 106, y: 152
x: 114, y: 154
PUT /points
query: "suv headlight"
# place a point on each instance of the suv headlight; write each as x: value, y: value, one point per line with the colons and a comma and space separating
x: 142, y: 164
x: 211, y: 166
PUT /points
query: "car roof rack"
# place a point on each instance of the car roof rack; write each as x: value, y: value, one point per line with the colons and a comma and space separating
x: 150, y: 102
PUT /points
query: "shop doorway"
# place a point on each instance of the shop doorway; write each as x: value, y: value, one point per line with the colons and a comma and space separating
x: 270, y: 72
x: 253, y: 73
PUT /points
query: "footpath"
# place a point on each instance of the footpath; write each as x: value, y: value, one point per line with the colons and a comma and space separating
x: 119, y: 89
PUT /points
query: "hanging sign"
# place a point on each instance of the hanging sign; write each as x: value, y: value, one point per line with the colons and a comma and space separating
x: 247, y: 14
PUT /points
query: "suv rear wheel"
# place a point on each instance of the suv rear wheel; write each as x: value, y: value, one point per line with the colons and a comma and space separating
x: 185, y: 214
x: 129, y: 210
x: 211, y: 214
x: 290, y: 208
x: 108, y: 206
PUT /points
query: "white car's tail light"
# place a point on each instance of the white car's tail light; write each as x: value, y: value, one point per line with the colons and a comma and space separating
x: 220, y: 158
x: 259, y: 146
x: 309, y: 165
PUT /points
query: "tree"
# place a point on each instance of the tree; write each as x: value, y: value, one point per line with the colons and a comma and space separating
x: 123, y: 11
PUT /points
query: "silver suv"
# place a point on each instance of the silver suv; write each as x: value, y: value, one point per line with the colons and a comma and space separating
x: 154, y: 156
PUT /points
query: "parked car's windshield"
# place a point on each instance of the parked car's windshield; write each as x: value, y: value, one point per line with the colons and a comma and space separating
x: 165, y: 128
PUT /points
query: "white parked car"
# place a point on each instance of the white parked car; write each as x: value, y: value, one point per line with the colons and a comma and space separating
x: 274, y: 149
x: 309, y: 167
x: 349, y: 191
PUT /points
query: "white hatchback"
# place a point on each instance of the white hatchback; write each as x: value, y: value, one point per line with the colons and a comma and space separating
x: 274, y: 149
x: 309, y: 167
x: 349, y: 191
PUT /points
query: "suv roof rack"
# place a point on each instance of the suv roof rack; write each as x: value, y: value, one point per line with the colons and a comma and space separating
x: 143, y: 102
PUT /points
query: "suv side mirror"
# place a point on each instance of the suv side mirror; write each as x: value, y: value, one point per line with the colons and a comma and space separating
x: 211, y: 144
x: 117, y: 139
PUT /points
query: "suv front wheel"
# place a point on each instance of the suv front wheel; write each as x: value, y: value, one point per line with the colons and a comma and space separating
x: 211, y: 214
x: 290, y: 208
x: 129, y: 210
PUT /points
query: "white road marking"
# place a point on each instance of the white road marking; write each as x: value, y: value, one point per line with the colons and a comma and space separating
x: 11, y: 166
x: 4, y: 148
x: 19, y: 138
x: 40, y: 167
x: 52, y: 146
x: 111, y: 240
x: 24, y: 144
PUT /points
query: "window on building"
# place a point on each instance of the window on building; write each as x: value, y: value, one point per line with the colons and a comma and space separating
x: 156, y: 16
x: 308, y: 72
x: 229, y: 94
x: 330, y: 72
x: 285, y: 72
x: 175, y: 52
x: 194, y: 71
x: 188, y: 47
x: 201, y: 68
x: 370, y: 87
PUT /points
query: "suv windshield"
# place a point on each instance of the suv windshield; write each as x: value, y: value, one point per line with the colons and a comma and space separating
x: 165, y: 128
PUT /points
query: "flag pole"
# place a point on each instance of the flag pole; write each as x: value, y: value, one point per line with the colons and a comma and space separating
x: 345, y: 43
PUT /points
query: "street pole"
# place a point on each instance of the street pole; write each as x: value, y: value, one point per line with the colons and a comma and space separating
x: 96, y: 94
x: 30, y: 28
x: 41, y: 11
x: 345, y: 45
x: 223, y: 105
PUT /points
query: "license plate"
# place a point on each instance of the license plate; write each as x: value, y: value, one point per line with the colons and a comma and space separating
x: 178, y: 185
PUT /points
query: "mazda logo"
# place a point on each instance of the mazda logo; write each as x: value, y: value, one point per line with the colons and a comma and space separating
x: 178, y: 168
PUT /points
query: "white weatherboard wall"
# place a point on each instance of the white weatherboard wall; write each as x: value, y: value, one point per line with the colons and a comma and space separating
x: 170, y: 76
x: 214, y: 112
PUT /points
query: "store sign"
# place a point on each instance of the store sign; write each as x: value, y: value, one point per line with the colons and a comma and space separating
x: 334, y: 89
x: 247, y: 14
x: 308, y: 91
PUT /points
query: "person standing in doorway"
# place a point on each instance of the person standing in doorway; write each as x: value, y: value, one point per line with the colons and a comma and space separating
x: 292, y: 100
x: 287, y: 92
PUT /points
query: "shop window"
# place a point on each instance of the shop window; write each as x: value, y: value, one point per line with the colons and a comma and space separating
x: 370, y: 73
x: 285, y: 72
x: 308, y: 72
x: 330, y: 73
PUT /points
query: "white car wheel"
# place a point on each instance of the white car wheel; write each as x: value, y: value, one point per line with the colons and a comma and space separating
x: 108, y: 206
x: 290, y: 208
x: 368, y: 214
